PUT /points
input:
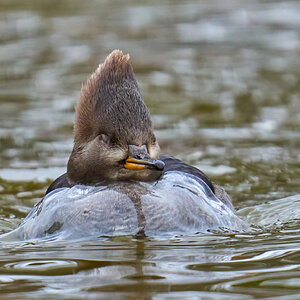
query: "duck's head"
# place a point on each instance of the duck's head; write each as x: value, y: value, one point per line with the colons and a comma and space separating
x: 114, y: 138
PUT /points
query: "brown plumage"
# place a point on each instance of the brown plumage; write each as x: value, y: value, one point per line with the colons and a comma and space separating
x: 111, y: 103
x: 111, y: 122
x: 112, y: 126
x: 115, y: 148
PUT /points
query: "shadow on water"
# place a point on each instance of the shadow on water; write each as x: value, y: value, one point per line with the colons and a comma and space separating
x: 222, y: 84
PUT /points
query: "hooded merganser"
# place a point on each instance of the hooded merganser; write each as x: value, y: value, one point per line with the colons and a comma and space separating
x: 117, y: 181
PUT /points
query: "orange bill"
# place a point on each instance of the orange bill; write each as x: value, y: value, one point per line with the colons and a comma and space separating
x: 135, y: 164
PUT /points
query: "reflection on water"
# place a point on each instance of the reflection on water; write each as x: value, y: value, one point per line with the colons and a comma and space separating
x: 222, y: 82
x: 226, y: 267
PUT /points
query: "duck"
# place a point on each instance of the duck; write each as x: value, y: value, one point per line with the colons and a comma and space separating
x: 117, y: 181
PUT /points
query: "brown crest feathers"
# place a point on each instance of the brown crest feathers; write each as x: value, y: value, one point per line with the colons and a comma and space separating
x: 110, y: 101
x: 116, y: 66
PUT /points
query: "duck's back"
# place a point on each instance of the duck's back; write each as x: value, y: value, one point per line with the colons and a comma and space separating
x: 178, y: 203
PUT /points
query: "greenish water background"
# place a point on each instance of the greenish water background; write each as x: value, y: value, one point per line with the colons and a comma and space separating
x: 222, y: 81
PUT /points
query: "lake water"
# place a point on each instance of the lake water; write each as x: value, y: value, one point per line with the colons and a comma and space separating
x: 222, y: 82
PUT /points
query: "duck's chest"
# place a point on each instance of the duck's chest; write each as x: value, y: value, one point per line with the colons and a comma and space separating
x: 176, y: 204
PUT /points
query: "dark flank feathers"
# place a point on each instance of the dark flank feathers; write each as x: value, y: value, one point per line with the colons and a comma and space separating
x: 173, y: 164
x: 60, y: 182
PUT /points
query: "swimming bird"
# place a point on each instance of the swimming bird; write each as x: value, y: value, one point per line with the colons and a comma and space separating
x: 117, y: 181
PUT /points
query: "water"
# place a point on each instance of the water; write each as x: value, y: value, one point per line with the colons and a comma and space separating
x: 222, y: 83
x: 178, y: 203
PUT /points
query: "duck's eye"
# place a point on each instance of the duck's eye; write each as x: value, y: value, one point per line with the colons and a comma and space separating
x: 104, y: 138
x: 153, y: 139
